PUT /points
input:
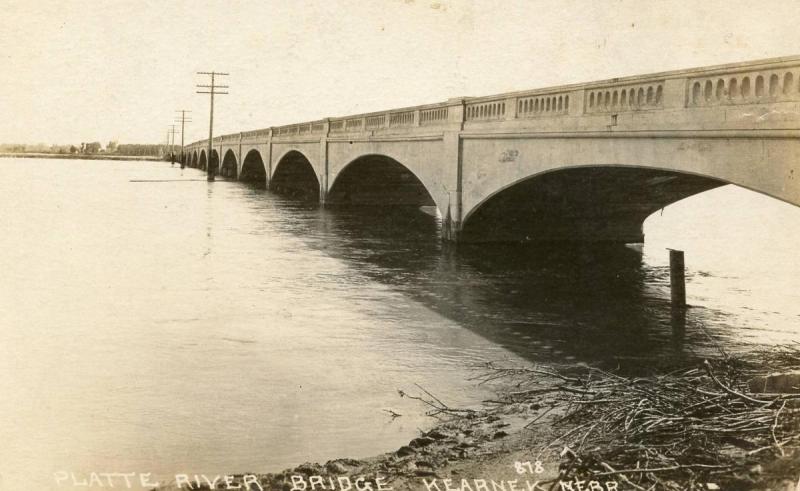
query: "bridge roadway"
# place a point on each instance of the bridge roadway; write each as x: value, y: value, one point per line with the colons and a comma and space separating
x: 583, y: 162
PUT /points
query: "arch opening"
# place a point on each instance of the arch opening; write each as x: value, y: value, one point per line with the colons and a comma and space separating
x: 580, y: 204
x: 295, y: 177
x: 203, y: 164
x: 253, y: 170
x: 377, y: 180
x: 229, y: 165
x: 194, y: 159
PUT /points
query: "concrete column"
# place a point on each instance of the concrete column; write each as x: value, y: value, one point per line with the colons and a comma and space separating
x: 269, y: 157
x: 452, y: 212
x: 323, y: 155
x: 455, y: 111
x: 675, y: 93
x: 576, y: 101
x: 511, y: 108
x: 453, y: 178
x: 239, y: 163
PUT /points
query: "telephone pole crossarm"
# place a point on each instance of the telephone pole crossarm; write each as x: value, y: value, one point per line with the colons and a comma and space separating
x: 172, y: 132
x: 212, y: 91
x: 183, y: 122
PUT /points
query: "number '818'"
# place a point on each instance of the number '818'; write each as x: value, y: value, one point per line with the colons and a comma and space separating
x: 529, y: 467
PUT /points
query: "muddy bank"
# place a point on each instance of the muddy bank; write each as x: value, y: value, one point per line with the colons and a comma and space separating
x: 706, y: 427
x: 483, y: 447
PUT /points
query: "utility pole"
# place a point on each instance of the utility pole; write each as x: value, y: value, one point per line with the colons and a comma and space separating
x: 172, y: 132
x: 183, y: 122
x: 213, y: 90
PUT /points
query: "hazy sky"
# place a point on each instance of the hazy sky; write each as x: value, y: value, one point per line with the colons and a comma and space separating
x: 77, y: 71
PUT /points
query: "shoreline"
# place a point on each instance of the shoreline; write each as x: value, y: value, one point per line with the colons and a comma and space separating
x: 480, y: 449
x: 531, y: 437
x: 80, y: 157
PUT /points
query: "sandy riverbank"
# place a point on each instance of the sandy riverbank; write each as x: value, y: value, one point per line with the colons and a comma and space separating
x: 534, y: 437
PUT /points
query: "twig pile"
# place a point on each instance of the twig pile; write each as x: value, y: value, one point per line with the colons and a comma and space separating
x: 680, y: 430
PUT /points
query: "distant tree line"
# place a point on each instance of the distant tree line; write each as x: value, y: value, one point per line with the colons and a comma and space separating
x: 90, y: 148
x: 141, y: 149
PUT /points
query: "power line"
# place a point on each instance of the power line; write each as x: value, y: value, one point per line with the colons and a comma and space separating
x: 183, y: 122
x: 213, y: 90
x: 172, y: 132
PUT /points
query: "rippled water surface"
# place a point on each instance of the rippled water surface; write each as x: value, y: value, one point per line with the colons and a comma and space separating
x: 182, y: 326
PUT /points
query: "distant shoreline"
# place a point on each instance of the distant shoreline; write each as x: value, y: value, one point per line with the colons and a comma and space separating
x: 79, y: 156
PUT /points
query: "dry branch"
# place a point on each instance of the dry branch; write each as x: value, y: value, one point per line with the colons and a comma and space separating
x: 676, y: 431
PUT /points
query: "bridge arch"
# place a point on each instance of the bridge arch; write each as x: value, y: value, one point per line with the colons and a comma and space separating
x: 588, y: 203
x: 294, y: 176
x: 253, y: 169
x: 193, y: 161
x: 203, y: 162
x: 377, y: 179
x: 229, y: 165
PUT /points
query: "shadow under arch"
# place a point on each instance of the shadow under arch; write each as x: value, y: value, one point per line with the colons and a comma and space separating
x: 378, y: 180
x: 253, y: 169
x: 294, y: 176
x: 193, y: 162
x: 203, y: 163
x: 229, y: 165
x: 580, y: 204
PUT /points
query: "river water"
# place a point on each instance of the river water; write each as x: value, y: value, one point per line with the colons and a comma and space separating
x: 153, y: 322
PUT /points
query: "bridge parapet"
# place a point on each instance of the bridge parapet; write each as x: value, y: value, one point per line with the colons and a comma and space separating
x: 309, y: 128
x: 667, y: 101
x: 393, y: 121
x: 628, y: 97
x: 745, y: 87
x: 256, y: 136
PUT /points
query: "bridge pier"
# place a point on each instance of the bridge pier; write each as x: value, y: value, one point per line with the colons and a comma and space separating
x: 451, y: 229
x: 323, y: 190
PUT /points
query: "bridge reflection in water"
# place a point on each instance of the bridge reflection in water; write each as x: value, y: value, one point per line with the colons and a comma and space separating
x: 558, y: 302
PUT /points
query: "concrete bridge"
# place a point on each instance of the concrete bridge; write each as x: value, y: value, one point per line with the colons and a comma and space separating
x: 584, y: 162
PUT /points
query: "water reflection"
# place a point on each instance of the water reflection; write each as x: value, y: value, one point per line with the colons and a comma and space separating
x: 554, y: 303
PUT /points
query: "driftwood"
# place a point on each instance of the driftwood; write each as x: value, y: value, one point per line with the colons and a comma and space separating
x: 676, y: 431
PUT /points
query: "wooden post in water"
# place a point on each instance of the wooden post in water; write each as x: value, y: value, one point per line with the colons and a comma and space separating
x: 677, y: 278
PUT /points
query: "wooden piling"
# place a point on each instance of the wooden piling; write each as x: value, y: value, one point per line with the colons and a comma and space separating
x: 677, y: 278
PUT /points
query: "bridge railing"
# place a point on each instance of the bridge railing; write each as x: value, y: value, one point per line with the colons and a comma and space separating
x: 777, y: 84
x: 393, y: 120
x: 261, y: 134
x: 308, y: 128
x: 757, y: 82
x: 626, y: 97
